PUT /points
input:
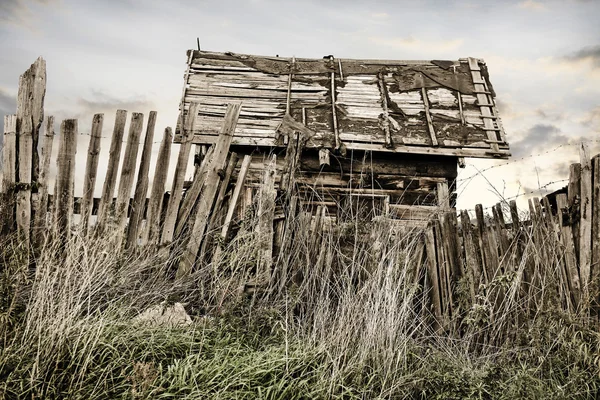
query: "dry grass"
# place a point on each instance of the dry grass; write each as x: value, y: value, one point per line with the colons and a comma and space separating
x: 346, y: 315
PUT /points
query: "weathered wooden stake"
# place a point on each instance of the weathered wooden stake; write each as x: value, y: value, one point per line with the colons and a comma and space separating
x: 152, y: 231
x: 65, y: 179
x: 127, y: 173
x: 585, y: 222
x: 110, y: 180
x: 91, y: 171
x: 39, y: 222
x: 179, y: 176
x: 9, y: 170
x: 210, y: 189
x: 264, y: 228
x: 141, y: 187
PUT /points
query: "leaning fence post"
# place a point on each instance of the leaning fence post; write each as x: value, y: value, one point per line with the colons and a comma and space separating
x: 152, y: 231
x: 39, y: 222
x: 91, y: 170
x: 9, y: 170
x: 127, y: 173
x: 141, y: 187
x: 217, y: 163
x: 585, y: 221
x: 65, y: 179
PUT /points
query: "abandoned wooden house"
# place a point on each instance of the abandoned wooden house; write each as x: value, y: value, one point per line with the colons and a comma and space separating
x: 382, y: 136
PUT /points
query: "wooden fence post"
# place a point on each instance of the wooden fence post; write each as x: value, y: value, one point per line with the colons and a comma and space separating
x: 9, y: 170
x: 264, y: 228
x: 570, y: 261
x: 152, y: 231
x: 585, y: 222
x: 141, y: 187
x: 208, y: 195
x: 110, y: 180
x: 39, y: 222
x: 91, y: 170
x: 595, y: 269
x: 179, y: 175
x: 127, y: 174
x: 65, y: 179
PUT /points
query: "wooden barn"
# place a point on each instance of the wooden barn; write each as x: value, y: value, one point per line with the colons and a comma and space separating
x: 379, y: 136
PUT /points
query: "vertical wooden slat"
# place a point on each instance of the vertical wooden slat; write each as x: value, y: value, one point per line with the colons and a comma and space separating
x: 191, y: 194
x: 432, y: 274
x: 39, y: 222
x: 585, y: 221
x: 205, y: 204
x: 65, y: 179
x: 9, y: 171
x: 91, y: 171
x: 239, y: 186
x: 179, y: 176
x: 111, y: 172
x: 141, y: 186
x: 574, y: 198
x: 500, y: 226
x: 569, y: 260
x: 483, y: 245
x: 472, y: 265
x: 595, y: 270
x: 443, y: 195
x: 432, y: 134
x: 152, y: 231
x: 127, y: 174
x: 25, y: 156
x: 264, y: 228
x: 233, y: 159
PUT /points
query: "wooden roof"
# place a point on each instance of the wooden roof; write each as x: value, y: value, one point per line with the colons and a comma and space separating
x: 423, y: 107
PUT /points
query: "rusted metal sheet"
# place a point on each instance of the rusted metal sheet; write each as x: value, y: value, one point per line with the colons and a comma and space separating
x: 422, y: 107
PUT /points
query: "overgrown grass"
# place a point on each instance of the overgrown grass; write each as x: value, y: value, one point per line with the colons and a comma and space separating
x: 346, y: 315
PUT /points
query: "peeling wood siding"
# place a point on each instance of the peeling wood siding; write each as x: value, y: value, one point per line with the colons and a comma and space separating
x: 366, y: 108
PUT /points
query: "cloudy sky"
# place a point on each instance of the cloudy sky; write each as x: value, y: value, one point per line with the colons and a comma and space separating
x: 543, y: 58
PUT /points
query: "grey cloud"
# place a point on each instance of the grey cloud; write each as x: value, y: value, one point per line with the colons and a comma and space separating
x: 549, y: 115
x: 538, y: 138
x: 18, y: 12
x: 588, y: 52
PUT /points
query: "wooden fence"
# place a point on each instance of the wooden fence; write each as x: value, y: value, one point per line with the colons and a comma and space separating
x: 460, y: 255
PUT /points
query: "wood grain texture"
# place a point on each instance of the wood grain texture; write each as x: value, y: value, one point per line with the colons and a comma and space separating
x: 141, y: 186
x: 9, y: 170
x: 179, y: 175
x: 585, y: 221
x: 39, y: 222
x: 127, y: 175
x: 110, y: 179
x: 152, y: 232
x: 209, y: 191
x: 65, y: 179
x: 91, y: 170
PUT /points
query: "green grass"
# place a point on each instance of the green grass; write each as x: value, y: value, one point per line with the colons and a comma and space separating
x: 345, y: 317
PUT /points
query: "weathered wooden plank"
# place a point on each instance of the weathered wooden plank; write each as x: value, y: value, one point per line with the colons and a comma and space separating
x: 25, y: 155
x: 239, y: 185
x: 574, y: 198
x: 472, y: 267
x: 110, y: 180
x: 432, y: 135
x: 127, y: 174
x: 192, y: 194
x: 91, y: 170
x: 443, y: 195
x: 9, y: 172
x: 152, y: 232
x: 206, y: 201
x: 433, y: 277
x: 595, y: 268
x: 179, y: 176
x: 585, y: 222
x: 39, y: 222
x: 141, y: 186
x: 65, y: 179
x: 569, y: 260
x: 264, y: 228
